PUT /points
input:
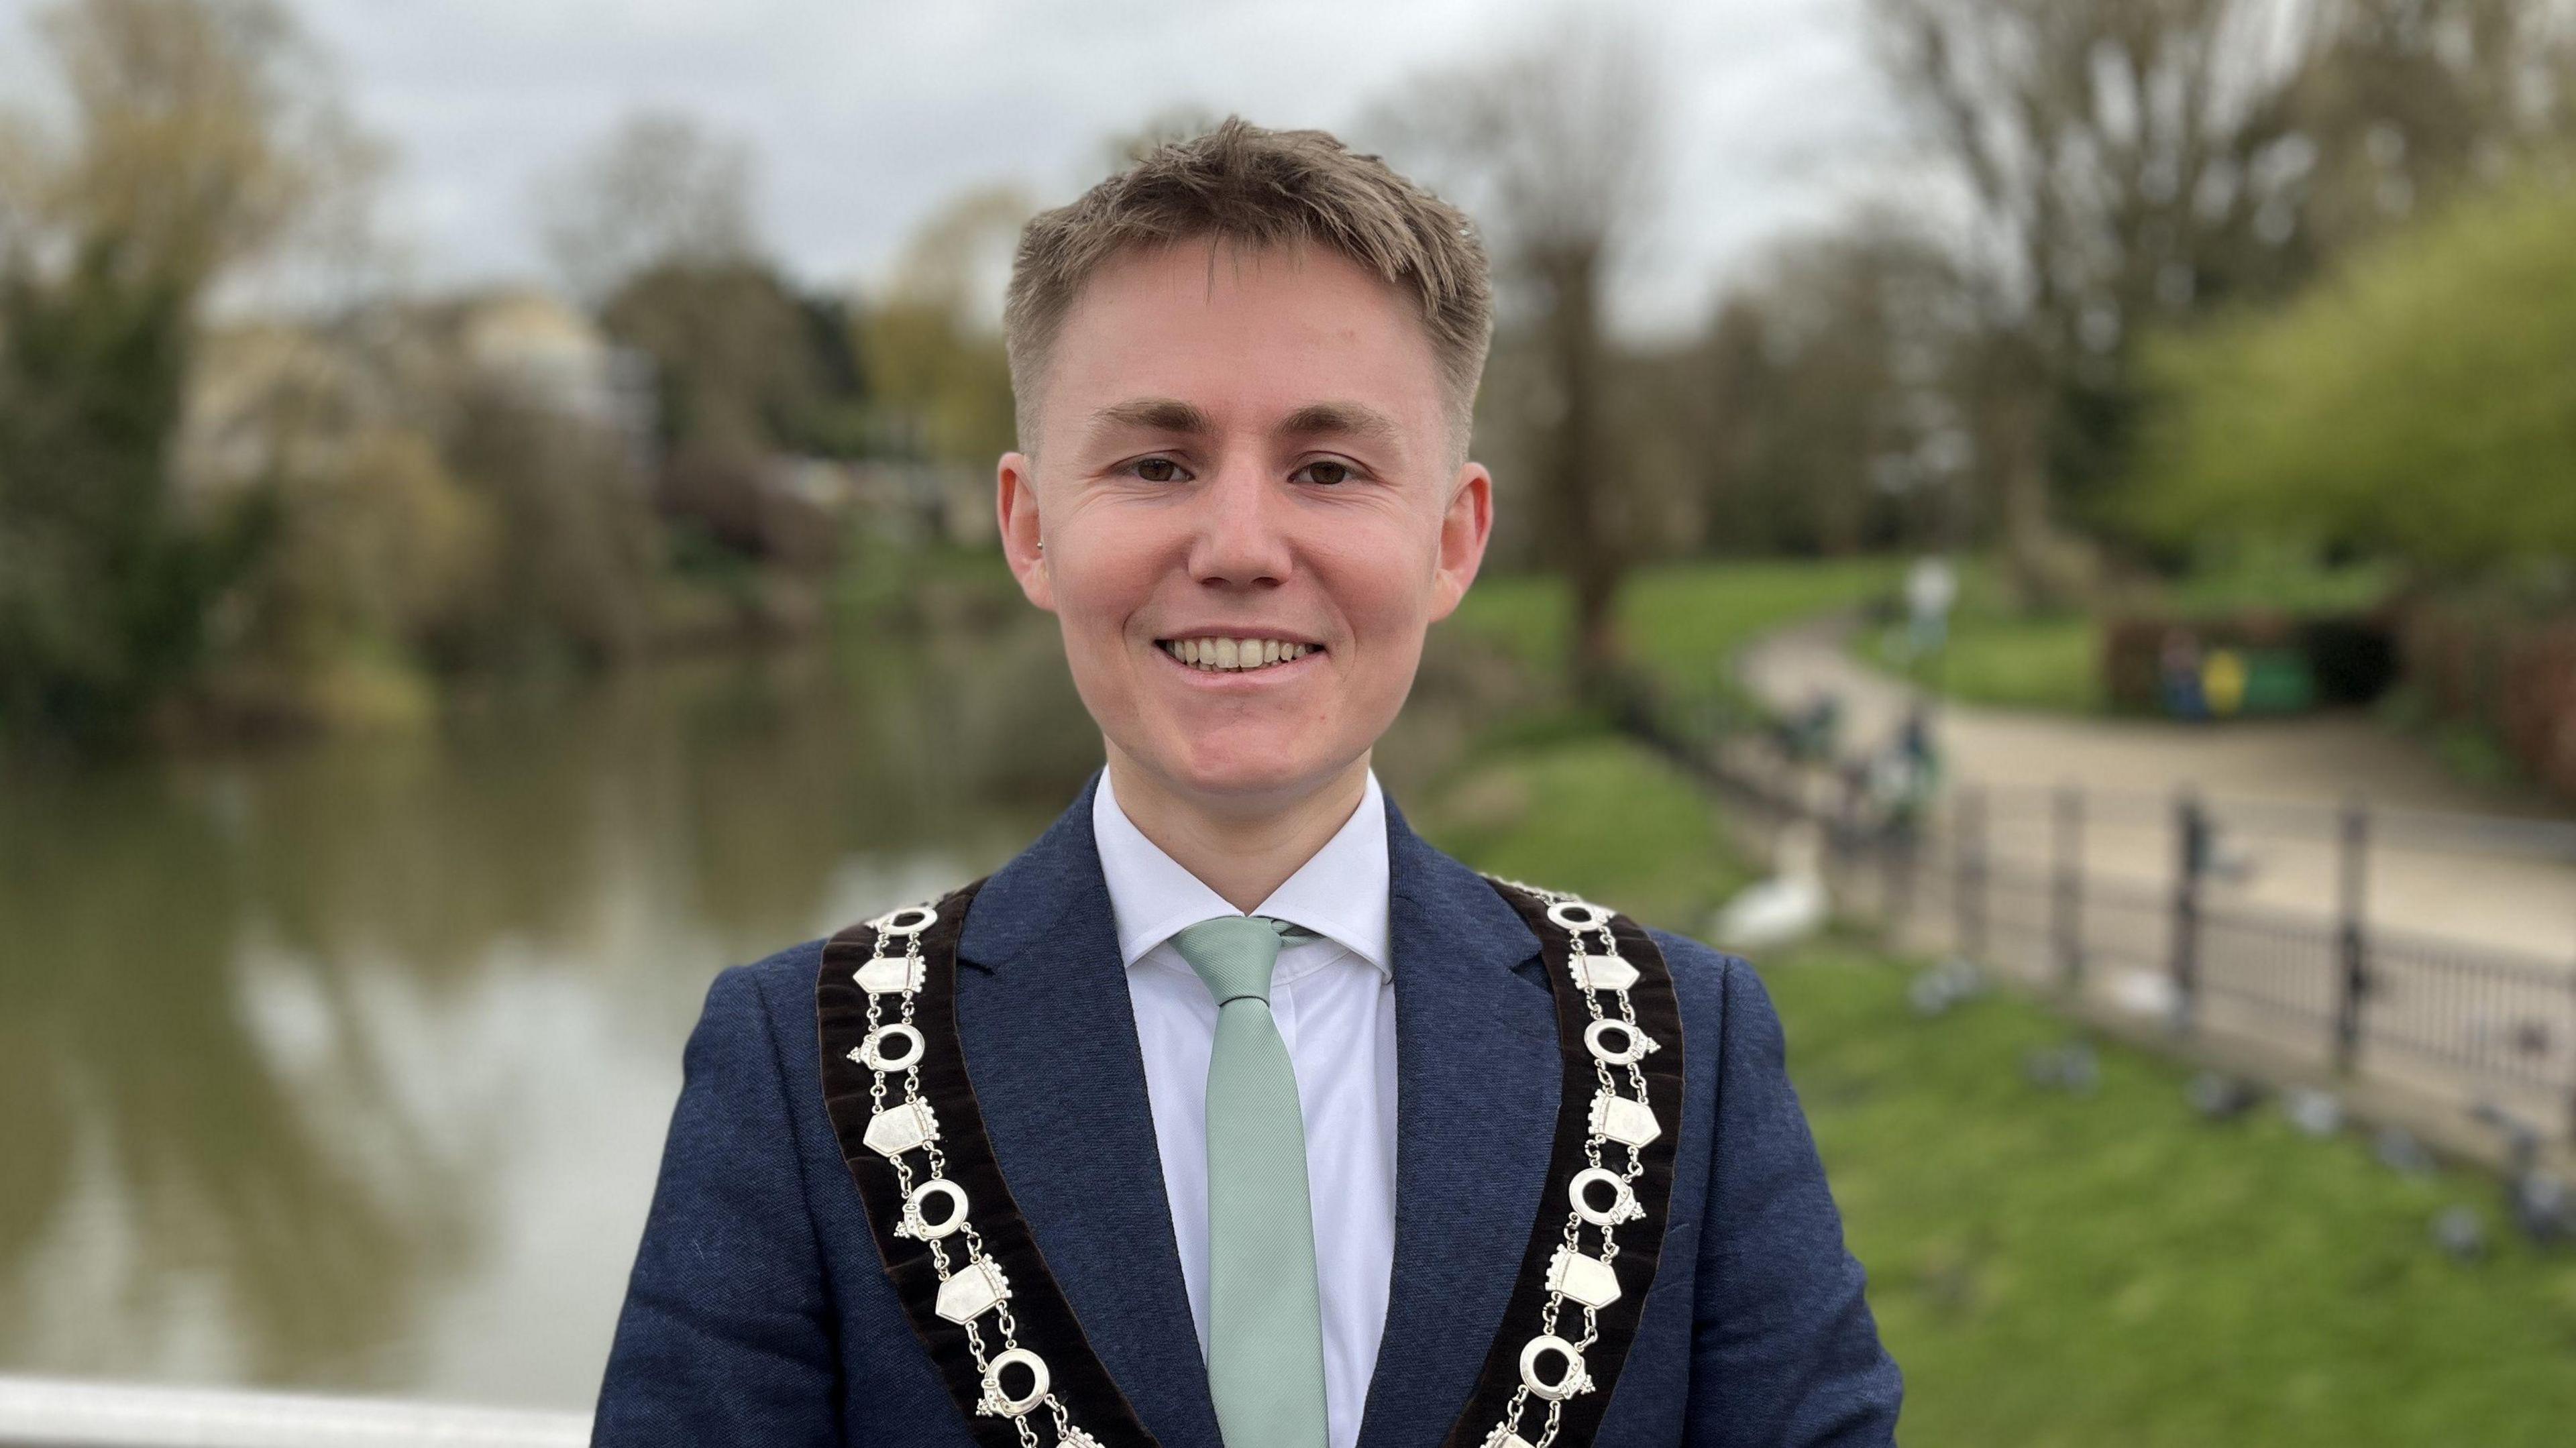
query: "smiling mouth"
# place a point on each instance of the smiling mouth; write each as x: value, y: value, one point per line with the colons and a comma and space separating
x: 1235, y: 655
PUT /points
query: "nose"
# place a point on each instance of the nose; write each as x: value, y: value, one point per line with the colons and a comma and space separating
x: 1242, y: 539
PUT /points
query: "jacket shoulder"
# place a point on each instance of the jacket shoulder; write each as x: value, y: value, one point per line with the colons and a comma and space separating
x: 1700, y: 971
x: 780, y: 984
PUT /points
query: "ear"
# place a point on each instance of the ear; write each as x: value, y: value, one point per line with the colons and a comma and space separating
x: 1464, y: 528
x: 1015, y: 504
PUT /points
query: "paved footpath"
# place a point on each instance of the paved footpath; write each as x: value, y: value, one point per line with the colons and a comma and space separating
x: 2512, y: 895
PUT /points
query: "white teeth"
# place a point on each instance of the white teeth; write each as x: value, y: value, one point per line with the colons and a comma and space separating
x: 1235, y: 654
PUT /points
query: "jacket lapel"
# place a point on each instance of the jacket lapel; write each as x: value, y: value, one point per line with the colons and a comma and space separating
x: 1478, y: 1085
x: 1049, y: 1036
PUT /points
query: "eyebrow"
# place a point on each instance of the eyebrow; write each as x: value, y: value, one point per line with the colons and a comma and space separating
x: 1315, y: 419
x: 1342, y: 419
x: 1154, y: 414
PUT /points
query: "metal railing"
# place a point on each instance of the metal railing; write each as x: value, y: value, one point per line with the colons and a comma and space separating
x: 2305, y: 974
x: 77, y: 1413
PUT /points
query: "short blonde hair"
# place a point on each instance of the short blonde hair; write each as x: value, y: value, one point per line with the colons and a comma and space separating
x: 1258, y: 188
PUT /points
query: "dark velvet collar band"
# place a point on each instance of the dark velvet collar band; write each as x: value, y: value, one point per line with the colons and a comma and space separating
x: 1574, y: 1308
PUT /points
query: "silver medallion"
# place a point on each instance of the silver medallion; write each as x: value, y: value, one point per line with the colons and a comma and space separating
x: 1587, y: 1280
x: 1604, y: 972
x: 973, y: 1290
x: 1633, y: 1045
x: 890, y: 1048
x: 890, y: 975
x: 1623, y: 1205
x: 1571, y: 1381
x: 916, y: 1221
x: 1630, y: 1123
x: 901, y: 1127
x: 996, y: 1403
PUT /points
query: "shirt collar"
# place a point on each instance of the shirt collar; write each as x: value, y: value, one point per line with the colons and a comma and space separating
x: 1339, y: 893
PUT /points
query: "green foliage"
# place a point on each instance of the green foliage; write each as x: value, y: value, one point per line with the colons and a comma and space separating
x: 106, y: 583
x: 943, y: 384
x: 193, y: 138
x: 939, y: 376
x: 2231, y: 575
x: 739, y: 360
x: 2421, y: 402
x: 575, y: 552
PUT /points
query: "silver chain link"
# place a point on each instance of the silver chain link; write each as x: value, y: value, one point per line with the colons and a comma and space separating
x: 1067, y: 1435
x: 1593, y: 1146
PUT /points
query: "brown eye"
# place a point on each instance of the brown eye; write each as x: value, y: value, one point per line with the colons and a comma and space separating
x: 1158, y: 470
x: 1327, y: 472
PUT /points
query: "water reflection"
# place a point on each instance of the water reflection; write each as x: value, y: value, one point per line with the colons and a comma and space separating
x: 348, y: 1067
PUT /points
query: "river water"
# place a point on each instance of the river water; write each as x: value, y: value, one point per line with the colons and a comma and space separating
x: 347, y: 1066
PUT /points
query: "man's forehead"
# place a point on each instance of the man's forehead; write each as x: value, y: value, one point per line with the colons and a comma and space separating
x: 1203, y: 337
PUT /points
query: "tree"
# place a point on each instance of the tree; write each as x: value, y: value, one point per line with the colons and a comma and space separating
x: 933, y: 340
x: 729, y: 347
x: 199, y: 139
x: 2421, y: 403
x: 1825, y: 423
x: 1551, y: 147
x: 2129, y: 161
x: 660, y: 192
x: 653, y: 226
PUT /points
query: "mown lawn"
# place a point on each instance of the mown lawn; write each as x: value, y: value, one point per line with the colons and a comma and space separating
x: 2109, y: 1269
x: 1684, y: 620
x: 2102, y: 1270
x: 2003, y: 655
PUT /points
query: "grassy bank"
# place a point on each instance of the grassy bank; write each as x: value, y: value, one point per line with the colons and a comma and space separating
x: 2109, y: 1269
x: 2101, y: 1270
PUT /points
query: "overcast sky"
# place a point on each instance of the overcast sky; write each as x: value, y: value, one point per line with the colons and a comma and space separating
x: 867, y: 115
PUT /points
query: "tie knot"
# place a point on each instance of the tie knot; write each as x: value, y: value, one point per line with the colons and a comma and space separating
x: 1234, y: 953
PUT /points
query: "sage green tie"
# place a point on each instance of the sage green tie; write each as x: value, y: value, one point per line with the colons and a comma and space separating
x: 1265, y: 1326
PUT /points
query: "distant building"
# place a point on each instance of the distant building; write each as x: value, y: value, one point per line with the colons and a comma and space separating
x: 269, y: 395
x: 559, y: 359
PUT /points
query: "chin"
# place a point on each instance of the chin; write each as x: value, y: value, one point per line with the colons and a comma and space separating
x: 1248, y: 765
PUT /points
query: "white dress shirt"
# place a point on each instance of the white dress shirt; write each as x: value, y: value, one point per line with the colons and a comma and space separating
x: 1334, y: 1000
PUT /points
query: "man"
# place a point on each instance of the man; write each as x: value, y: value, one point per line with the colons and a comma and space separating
x: 1230, y: 1111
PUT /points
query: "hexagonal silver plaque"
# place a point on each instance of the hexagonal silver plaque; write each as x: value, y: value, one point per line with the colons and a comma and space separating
x: 1587, y: 1280
x: 972, y: 1291
x: 890, y: 975
x: 901, y: 1127
x: 1630, y: 1123
x: 1604, y: 972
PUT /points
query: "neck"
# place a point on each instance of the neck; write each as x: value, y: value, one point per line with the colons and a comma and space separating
x: 1243, y: 849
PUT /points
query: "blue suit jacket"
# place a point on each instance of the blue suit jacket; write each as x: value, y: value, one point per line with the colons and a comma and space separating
x: 759, y: 1311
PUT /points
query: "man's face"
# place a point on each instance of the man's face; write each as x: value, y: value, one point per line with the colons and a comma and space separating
x: 1243, y: 446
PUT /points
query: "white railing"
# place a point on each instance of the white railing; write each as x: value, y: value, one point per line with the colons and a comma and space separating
x: 72, y: 1413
